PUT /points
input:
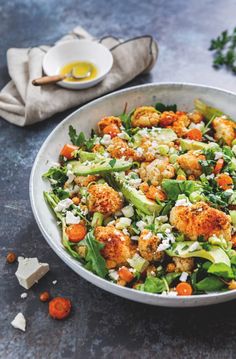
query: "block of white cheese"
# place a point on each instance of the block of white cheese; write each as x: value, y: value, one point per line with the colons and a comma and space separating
x: 30, y: 271
x: 19, y: 322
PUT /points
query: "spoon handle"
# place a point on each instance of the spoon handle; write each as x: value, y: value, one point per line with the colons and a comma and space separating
x: 47, y: 80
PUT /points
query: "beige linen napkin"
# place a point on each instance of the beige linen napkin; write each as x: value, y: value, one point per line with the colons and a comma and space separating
x: 23, y: 104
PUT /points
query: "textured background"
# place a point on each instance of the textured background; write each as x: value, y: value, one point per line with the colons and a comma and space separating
x: 101, y: 325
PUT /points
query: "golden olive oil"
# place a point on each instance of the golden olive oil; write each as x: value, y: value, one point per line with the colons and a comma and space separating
x: 80, y: 68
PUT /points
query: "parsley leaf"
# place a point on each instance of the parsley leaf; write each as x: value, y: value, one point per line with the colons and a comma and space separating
x: 112, y: 162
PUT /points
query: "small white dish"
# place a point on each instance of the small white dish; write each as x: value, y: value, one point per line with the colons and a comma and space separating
x: 181, y: 94
x: 78, y: 50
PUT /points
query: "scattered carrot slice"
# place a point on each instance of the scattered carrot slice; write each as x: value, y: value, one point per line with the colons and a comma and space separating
x: 184, y: 288
x: 68, y: 150
x: 219, y: 165
x: 195, y: 134
x: 111, y: 130
x: 59, y: 308
x: 224, y: 181
x: 125, y: 274
x: 76, y: 232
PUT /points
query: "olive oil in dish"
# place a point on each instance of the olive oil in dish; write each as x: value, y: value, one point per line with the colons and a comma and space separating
x: 80, y: 68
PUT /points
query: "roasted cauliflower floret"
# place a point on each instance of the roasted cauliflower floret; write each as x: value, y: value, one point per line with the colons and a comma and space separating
x: 225, y: 129
x: 156, y: 170
x: 145, y: 116
x: 147, y: 245
x: 119, y: 148
x: 107, y: 121
x: 84, y: 181
x: 178, y: 122
x: 195, y: 116
x: 183, y: 264
x: 189, y: 162
x: 104, y: 199
x: 118, y: 247
x: 200, y: 220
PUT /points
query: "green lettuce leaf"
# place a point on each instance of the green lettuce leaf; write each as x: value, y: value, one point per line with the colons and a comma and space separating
x: 175, y: 187
x: 221, y: 270
x: 210, y: 284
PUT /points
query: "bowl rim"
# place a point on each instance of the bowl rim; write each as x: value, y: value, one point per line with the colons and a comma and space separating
x: 104, y: 283
x: 76, y: 85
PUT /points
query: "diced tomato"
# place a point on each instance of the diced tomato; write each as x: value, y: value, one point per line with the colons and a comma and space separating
x: 67, y: 151
x: 125, y: 274
x: 195, y: 134
x: 219, y: 165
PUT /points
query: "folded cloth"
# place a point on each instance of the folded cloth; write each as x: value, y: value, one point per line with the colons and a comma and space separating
x: 23, y: 104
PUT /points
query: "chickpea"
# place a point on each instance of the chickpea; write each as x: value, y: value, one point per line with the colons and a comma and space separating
x: 44, y: 297
x: 170, y: 268
x: 76, y: 200
x: 11, y: 257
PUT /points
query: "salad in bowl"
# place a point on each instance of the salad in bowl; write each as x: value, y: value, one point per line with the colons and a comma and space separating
x: 148, y: 201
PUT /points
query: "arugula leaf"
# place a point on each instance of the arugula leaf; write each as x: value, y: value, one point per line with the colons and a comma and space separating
x: 126, y: 120
x: 60, y: 193
x: 175, y: 187
x: 95, y: 262
x: 80, y: 139
x: 161, y: 107
x: 210, y: 284
x: 221, y: 270
x: 57, y: 174
x: 77, y: 140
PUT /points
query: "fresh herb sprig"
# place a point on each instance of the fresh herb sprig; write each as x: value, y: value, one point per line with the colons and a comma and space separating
x: 225, y: 50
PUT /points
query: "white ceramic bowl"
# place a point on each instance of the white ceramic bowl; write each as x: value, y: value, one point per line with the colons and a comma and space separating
x: 181, y: 94
x: 78, y: 50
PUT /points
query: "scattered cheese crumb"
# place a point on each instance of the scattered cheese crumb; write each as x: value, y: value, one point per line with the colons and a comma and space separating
x: 19, y: 322
x: 106, y: 140
x: 24, y: 295
x: 218, y: 155
x: 183, y: 277
x: 182, y: 202
x: 30, y: 271
x: 71, y: 218
x: 54, y: 282
x: 63, y: 205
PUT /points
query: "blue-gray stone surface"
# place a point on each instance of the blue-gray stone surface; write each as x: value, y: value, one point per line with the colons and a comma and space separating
x: 101, y: 325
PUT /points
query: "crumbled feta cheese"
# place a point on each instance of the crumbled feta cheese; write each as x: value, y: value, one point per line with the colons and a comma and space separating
x: 182, y: 202
x: 194, y: 247
x: 139, y: 151
x: 135, y: 238
x: 19, y: 322
x: 106, y: 140
x: 141, y: 225
x: 128, y: 211
x: 54, y: 282
x: 199, y: 126
x: 183, y: 277
x: 162, y: 219
x: 211, y: 176
x: 123, y: 135
x: 147, y: 236
x: 70, y: 176
x: 29, y: 271
x: 113, y: 274
x: 125, y: 231
x: 172, y: 293
x: 63, y: 205
x: 135, y: 182
x: 69, y: 166
x: 218, y: 155
x: 163, y: 246
x: 24, y: 295
x: 71, y: 218
x: 123, y: 222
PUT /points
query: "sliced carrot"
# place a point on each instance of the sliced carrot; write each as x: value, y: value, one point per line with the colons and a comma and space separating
x: 59, y: 308
x: 125, y: 274
x: 224, y: 181
x: 76, y: 232
x: 219, y: 165
x: 184, y: 288
x: 67, y: 151
x: 195, y: 134
x: 111, y: 130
